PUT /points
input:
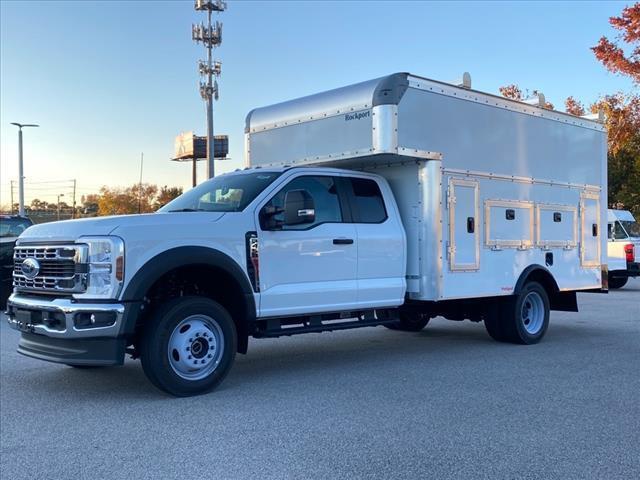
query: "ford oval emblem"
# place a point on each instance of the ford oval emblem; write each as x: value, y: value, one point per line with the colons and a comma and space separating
x: 30, y: 268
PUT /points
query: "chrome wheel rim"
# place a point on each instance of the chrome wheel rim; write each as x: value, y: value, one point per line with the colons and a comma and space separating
x: 532, y: 313
x: 195, y: 347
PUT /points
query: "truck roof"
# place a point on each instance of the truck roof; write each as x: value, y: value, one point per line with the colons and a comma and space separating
x: 387, y: 90
x: 620, y: 215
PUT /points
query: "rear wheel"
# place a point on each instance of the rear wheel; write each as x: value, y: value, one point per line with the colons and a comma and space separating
x: 523, y: 318
x: 410, y: 321
x: 617, y: 282
x: 189, y: 346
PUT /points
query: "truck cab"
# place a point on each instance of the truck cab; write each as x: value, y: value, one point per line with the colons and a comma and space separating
x: 623, y: 247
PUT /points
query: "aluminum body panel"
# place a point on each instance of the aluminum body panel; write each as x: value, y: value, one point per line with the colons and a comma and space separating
x: 477, y: 136
x: 416, y: 186
x: 306, y: 142
x: 501, y: 264
x: 333, y: 102
x: 385, y: 129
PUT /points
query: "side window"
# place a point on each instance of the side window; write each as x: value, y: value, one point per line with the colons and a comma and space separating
x: 324, y: 192
x: 618, y: 231
x: 369, y: 204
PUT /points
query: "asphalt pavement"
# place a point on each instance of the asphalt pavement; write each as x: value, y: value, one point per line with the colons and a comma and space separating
x: 447, y: 402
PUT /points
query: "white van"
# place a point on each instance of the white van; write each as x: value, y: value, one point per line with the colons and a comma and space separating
x: 624, y: 241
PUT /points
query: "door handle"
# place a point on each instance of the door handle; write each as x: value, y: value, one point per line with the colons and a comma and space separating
x: 342, y: 241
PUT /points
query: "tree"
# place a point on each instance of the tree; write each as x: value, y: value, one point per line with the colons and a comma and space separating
x: 37, y: 204
x: 511, y: 91
x: 612, y: 55
x: 165, y: 195
x: 135, y: 199
x: 622, y: 119
x: 123, y: 201
x: 574, y: 107
x: 515, y: 93
x: 624, y: 176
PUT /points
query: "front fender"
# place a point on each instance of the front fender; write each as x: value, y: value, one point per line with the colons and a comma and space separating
x: 171, y: 259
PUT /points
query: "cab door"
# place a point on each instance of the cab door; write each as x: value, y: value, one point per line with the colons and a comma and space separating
x: 308, y: 267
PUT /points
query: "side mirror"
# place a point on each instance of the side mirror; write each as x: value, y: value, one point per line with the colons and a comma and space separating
x: 298, y: 208
x: 268, y: 220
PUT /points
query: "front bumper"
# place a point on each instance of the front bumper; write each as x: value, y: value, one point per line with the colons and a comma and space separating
x: 60, y: 330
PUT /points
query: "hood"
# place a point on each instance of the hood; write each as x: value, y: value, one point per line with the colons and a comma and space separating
x: 70, y: 230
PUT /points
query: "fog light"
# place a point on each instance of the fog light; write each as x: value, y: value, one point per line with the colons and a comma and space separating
x: 94, y: 319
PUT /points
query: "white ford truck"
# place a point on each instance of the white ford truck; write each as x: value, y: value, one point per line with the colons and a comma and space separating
x: 623, y: 246
x: 387, y: 202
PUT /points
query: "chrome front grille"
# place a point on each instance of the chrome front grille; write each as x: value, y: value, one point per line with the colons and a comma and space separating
x: 50, y: 268
x: 62, y: 269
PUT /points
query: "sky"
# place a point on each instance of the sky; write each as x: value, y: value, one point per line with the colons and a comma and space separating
x: 108, y: 80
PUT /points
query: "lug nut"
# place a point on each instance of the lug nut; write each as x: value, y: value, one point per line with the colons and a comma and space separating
x: 189, y: 357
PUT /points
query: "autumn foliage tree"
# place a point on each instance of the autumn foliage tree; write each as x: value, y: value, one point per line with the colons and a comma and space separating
x: 513, y: 92
x: 122, y: 201
x: 612, y: 54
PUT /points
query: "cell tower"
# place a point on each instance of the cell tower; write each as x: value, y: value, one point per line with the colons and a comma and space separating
x: 210, y: 35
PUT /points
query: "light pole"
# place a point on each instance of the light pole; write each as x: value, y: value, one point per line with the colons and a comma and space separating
x: 61, y: 195
x: 20, y: 166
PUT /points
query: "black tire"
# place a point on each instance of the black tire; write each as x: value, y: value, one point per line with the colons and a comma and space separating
x: 617, y: 282
x: 154, y: 346
x: 522, y: 318
x: 493, y: 322
x: 409, y: 321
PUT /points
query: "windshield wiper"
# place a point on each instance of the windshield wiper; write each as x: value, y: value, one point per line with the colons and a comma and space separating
x: 188, y: 210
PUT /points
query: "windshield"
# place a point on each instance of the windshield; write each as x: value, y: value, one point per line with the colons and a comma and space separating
x: 226, y: 193
x: 13, y: 227
x: 632, y: 228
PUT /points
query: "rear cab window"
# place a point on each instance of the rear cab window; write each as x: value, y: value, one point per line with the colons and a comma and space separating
x: 367, y: 201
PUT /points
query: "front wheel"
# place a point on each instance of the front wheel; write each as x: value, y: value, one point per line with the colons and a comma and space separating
x: 617, y: 282
x: 189, y: 346
x: 523, y: 318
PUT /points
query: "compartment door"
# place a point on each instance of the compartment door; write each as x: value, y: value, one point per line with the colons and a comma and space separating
x: 590, y: 230
x: 464, y: 223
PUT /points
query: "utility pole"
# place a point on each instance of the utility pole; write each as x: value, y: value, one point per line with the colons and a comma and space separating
x: 20, y: 166
x: 140, y: 184
x: 61, y: 195
x: 73, y: 214
x: 210, y: 36
x: 11, y: 206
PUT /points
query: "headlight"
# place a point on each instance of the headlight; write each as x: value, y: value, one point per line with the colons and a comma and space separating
x: 105, y: 259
